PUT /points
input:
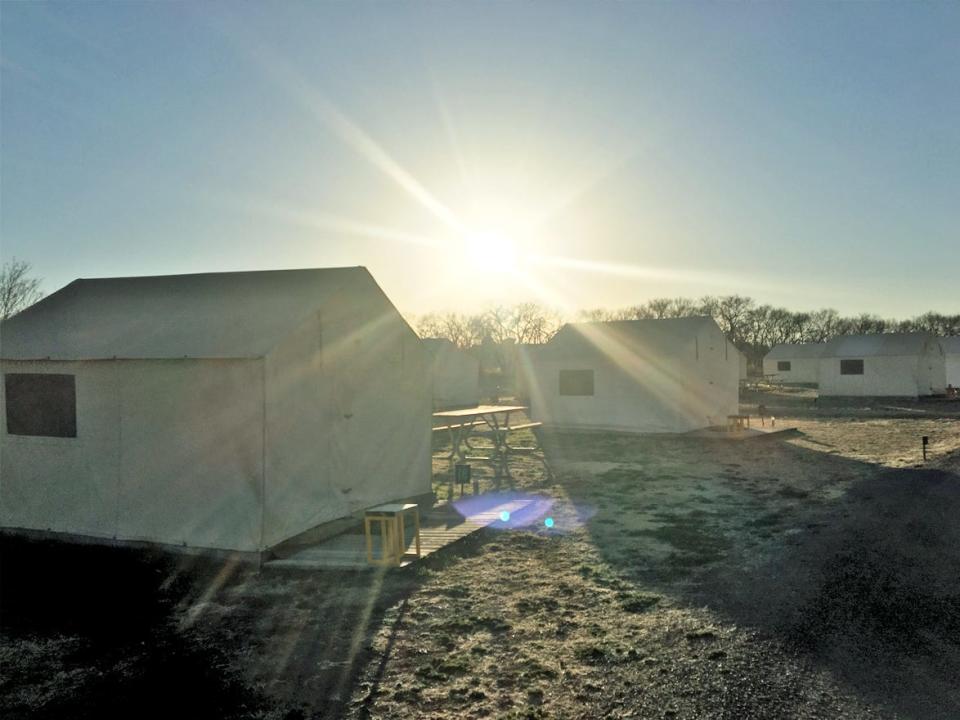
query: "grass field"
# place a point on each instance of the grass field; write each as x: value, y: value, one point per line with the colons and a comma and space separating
x: 811, y: 577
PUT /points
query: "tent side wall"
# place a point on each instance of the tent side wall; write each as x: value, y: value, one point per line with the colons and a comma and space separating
x: 933, y: 369
x: 348, y: 416
x: 167, y: 451
x: 952, y: 369
x: 803, y: 371
x: 456, y: 378
x: 65, y: 485
x: 694, y: 386
x: 883, y: 376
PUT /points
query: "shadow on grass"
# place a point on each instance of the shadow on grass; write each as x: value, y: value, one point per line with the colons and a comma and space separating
x: 866, y: 586
x: 132, y: 633
x: 121, y: 658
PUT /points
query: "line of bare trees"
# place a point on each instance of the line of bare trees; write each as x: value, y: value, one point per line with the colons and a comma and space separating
x: 754, y: 328
x: 520, y: 323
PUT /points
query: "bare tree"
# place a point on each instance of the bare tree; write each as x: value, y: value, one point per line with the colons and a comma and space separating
x: 598, y: 315
x: 17, y: 289
x: 532, y: 323
x: 863, y: 324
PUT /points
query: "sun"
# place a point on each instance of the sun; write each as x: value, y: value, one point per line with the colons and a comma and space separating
x: 491, y: 251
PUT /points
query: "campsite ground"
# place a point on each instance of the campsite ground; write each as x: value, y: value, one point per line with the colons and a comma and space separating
x: 813, y: 576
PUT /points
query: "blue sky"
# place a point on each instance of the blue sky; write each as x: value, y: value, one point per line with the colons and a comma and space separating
x: 601, y: 153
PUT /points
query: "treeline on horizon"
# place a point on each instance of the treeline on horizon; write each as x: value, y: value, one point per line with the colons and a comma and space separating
x: 752, y: 327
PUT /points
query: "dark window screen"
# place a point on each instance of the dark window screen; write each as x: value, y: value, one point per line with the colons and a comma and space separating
x: 576, y: 382
x: 851, y: 367
x: 41, y: 404
x: 783, y: 365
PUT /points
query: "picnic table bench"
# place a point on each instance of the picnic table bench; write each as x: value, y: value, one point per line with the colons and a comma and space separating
x: 463, y: 423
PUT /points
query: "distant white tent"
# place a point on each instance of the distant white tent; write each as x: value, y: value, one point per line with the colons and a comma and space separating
x: 794, y: 363
x: 951, y: 349
x: 455, y: 373
x: 228, y: 410
x: 669, y: 375
x: 743, y: 365
x: 908, y: 365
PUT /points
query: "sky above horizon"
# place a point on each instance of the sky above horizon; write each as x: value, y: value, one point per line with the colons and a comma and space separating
x: 577, y: 154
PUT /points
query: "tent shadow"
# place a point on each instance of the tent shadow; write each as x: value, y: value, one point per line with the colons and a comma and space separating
x: 865, y: 585
x: 155, y: 634
x: 102, y: 617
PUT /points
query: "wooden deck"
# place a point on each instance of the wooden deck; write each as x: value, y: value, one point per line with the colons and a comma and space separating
x: 440, y: 526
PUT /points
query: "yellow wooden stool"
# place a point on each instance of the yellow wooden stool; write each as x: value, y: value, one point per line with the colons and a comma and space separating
x: 392, y: 532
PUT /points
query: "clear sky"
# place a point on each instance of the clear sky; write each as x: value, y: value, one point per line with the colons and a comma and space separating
x: 603, y: 153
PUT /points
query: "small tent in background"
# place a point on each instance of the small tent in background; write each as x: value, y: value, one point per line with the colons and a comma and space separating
x: 907, y: 365
x: 669, y: 375
x: 456, y: 375
x: 793, y: 363
x: 226, y: 410
x: 951, y: 350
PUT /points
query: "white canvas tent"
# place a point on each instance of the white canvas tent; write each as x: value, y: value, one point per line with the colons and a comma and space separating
x: 951, y: 350
x: 743, y: 365
x: 794, y: 363
x: 653, y: 376
x: 907, y: 365
x: 227, y: 410
x: 455, y: 373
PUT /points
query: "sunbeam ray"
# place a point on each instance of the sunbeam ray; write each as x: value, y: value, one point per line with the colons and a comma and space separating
x: 349, y: 132
x: 327, y: 221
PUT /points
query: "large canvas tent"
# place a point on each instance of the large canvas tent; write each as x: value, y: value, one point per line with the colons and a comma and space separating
x: 227, y: 410
x: 907, y: 365
x: 652, y: 376
x: 455, y: 374
x: 951, y: 350
x: 794, y: 363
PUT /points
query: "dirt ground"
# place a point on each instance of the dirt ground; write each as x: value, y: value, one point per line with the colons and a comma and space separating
x: 813, y: 576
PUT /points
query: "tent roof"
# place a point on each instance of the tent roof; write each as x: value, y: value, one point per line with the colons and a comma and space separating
x: 877, y: 344
x: 208, y: 315
x: 660, y: 336
x: 796, y: 351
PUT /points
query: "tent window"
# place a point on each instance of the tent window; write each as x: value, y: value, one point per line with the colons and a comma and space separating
x: 41, y: 404
x: 783, y: 365
x: 576, y: 382
x: 851, y: 367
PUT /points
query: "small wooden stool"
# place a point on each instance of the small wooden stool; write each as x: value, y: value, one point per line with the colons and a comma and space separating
x: 392, y: 532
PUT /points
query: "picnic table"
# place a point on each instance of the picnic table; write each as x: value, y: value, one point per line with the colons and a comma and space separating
x: 493, y: 420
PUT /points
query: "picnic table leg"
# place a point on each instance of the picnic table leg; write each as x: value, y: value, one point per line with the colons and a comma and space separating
x: 500, y: 449
x: 453, y: 444
x: 416, y: 529
x: 457, y: 454
x: 543, y: 453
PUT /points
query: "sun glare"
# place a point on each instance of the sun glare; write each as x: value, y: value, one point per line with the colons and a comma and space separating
x: 491, y: 251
